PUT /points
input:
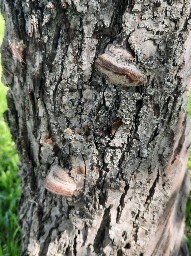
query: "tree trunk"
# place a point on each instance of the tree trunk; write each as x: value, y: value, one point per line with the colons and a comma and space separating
x: 98, y: 93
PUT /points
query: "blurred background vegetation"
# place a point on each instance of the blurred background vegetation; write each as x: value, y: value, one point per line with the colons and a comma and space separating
x: 10, y: 182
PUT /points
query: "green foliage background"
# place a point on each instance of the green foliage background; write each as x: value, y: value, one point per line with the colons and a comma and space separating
x: 10, y: 183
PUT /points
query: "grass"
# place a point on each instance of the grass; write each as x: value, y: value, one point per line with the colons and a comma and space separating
x: 9, y: 181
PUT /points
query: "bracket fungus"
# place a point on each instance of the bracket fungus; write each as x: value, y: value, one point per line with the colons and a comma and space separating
x: 117, y: 64
x: 59, y: 182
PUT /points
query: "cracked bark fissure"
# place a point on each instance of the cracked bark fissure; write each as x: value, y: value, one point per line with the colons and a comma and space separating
x: 125, y: 146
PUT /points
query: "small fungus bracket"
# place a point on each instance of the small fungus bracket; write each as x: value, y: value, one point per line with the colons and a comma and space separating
x: 59, y: 182
x: 117, y: 64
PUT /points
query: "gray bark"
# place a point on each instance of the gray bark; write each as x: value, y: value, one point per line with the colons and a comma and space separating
x: 130, y: 140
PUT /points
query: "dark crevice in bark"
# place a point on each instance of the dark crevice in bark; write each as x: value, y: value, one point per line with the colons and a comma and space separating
x: 33, y: 180
x: 70, y: 208
x: 120, y: 7
x: 102, y: 192
x: 175, y: 102
x: 33, y: 102
x: 80, y: 107
x: 156, y: 110
x: 180, y: 142
x: 165, y: 108
x: 55, y: 43
x: 75, y: 246
x: 44, y: 218
x: 85, y: 173
x: 85, y: 233
x: 68, y: 251
x: 18, y: 19
x: 8, y: 115
x: 119, y: 252
x: 136, y: 227
x: 58, y: 151
x: 131, y: 5
x: 40, y: 214
x: 108, y: 35
x: 127, y: 246
x: 139, y: 105
x: 21, y: 24
x: 152, y: 190
x: 153, y: 136
x: 169, y: 2
x: 80, y: 44
x: 122, y: 203
x: 102, y: 232
x: 55, y: 91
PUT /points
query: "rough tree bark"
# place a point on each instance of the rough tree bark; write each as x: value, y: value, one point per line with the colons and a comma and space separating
x: 115, y: 122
